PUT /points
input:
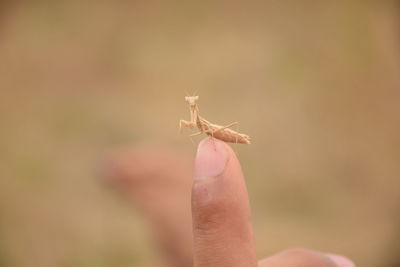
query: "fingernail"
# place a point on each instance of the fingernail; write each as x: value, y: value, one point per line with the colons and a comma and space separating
x: 341, y: 261
x: 210, y: 159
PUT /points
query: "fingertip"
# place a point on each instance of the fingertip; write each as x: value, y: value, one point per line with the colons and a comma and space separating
x: 211, y: 158
x: 217, y: 175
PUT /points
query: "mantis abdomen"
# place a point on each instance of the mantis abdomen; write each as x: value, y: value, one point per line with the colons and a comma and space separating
x: 225, y: 134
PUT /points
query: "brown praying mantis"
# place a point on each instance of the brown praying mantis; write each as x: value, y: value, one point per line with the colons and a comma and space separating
x: 217, y: 131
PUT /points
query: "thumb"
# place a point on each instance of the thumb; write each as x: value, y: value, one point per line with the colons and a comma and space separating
x: 222, y: 230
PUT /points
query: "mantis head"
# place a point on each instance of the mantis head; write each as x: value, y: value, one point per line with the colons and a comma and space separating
x: 192, y: 100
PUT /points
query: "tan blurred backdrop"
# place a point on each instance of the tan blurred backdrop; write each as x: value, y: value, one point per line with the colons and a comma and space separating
x: 315, y: 84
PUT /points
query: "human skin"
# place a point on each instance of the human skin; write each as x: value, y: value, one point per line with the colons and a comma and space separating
x: 222, y: 230
x: 155, y: 181
x: 219, y: 233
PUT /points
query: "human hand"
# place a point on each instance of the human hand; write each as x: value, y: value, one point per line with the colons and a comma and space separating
x: 222, y: 231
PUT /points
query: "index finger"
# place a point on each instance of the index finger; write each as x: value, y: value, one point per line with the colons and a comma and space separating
x: 222, y: 229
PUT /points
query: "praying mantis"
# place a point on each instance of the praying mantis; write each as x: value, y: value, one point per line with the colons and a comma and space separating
x: 217, y: 131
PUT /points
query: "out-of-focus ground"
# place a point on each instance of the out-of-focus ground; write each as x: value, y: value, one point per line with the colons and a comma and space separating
x: 315, y: 84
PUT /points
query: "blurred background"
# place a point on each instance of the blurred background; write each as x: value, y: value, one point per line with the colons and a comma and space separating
x: 315, y: 84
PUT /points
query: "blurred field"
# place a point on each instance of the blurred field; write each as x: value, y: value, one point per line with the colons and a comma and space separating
x: 316, y: 85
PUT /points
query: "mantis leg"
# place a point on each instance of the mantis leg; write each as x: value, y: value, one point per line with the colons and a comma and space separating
x: 185, y: 123
x: 195, y: 134
x: 213, y: 140
x: 180, y: 126
x: 208, y: 131
x: 224, y: 127
x: 191, y: 140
